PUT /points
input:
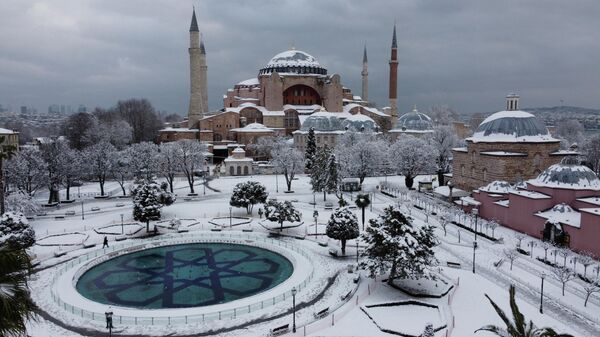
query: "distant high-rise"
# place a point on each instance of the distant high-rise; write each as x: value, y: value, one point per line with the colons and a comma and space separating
x: 394, y: 79
x: 82, y: 108
x: 198, y: 78
x: 23, y: 110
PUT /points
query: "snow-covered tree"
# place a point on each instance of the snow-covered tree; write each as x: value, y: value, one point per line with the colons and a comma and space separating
x: 591, y: 150
x: 591, y: 288
x: 546, y: 245
x: 442, y: 114
x: 360, y: 155
x: 148, y: 200
x: 429, y: 331
x: 26, y: 170
x: 562, y: 275
x: 396, y: 245
x: 570, y: 130
x: 70, y: 167
x: 511, y: 255
x: 57, y: 156
x: 311, y: 150
x: 362, y: 201
x: 15, y: 231
x: 343, y: 226
x: 564, y: 253
x: 443, y: 139
x: 98, y: 161
x: 324, y: 177
x: 586, y: 259
x: 191, y: 159
x: 120, y: 169
x: 117, y: 132
x: 287, y: 160
x: 21, y: 202
x: 169, y: 162
x: 281, y: 211
x: 493, y: 224
x: 263, y: 147
x: 412, y: 156
x: 444, y: 221
x: 519, y: 237
x: 247, y: 194
x: 143, y: 160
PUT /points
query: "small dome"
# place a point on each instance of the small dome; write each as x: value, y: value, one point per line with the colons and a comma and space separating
x: 568, y: 174
x: 323, y: 121
x: 414, y: 121
x: 360, y: 123
x: 497, y: 186
x: 238, y: 150
x: 512, y: 126
x: 294, y: 61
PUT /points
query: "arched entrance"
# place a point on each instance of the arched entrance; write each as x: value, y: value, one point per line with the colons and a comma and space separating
x: 252, y: 115
x: 555, y: 234
x: 301, y: 94
x: 291, y: 122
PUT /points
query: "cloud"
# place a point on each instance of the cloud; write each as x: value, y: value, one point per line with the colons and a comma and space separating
x: 464, y: 53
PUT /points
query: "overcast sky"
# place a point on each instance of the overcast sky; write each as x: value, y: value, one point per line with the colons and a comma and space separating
x: 466, y: 54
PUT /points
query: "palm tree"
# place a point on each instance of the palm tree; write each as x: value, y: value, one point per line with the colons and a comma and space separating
x: 6, y: 151
x: 518, y: 327
x: 16, y: 306
x: 363, y: 201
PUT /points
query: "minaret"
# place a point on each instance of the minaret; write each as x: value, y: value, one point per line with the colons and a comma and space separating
x: 197, y: 74
x: 365, y: 77
x: 394, y: 79
x: 203, y: 75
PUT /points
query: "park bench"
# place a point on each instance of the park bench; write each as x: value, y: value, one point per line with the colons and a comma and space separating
x: 453, y: 264
x: 59, y: 253
x: 356, y: 279
x: 59, y: 217
x: 299, y: 237
x: 120, y: 238
x: 274, y: 234
x: 333, y: 252
x: 247, y: 230
x: 322, y: 313
x: 182, y: 230
x: 328, y: 205
x: 323, y: 243
x: 89, y: 245
x: 346, y: 295
x: 120, y: 204
x: 281, y: 330
x: 215, y: 229
x: 95, y: 209
x: 70, y: 213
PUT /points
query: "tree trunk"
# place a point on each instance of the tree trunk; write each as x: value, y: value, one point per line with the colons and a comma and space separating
x: 511, y: 262
x: 440, y: 176
x: 563, y: 289
x: 343, y: 246
x: 409, y: 181
x: 363, y: 217
x: 324, y: 196
x: 191, y: 183
x: 122, y: 184
x: 392, y: 273
x: 171, y: 183
x: 68, y: 196
x: 587, y: 297
x: 101, y: 187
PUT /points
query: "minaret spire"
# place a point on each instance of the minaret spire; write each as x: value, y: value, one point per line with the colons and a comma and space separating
x: 365, y: 76
x: 194, y: 24
x: 393, y: 93
x: 198, y: 87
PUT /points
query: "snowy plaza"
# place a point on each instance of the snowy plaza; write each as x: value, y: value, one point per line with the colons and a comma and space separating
x: 332, y: 298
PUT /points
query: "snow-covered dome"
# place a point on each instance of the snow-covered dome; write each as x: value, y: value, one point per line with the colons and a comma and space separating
x: 569, y: 174
x: 253, y: 127
x: 414, y: 121
x: 249, y: 82
x: 512, y: 126
x: 294, y: 61
x: 497, y: 186
x: 360, y: 123
x: 323, y: 121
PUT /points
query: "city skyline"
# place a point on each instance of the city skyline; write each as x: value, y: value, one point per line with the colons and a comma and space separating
x: 466, y: 55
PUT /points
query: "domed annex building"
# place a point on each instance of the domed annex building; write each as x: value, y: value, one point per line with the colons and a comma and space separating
x: 561, y: 205
x: 291, y: 86
x: 414, y: 124
x: 510, y: 145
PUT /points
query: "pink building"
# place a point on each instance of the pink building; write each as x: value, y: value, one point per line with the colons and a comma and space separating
x: 561, y: 205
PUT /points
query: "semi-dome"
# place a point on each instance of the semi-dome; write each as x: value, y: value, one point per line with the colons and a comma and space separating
x: 360, y: 123
x: 294, y: 61
x: 569, y: 174
x: 512, y: 126
x: 323, y: 121
x: 414, y: 121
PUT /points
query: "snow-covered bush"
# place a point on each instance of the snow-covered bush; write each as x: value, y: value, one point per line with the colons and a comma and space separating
x: 20, y: 202
x: 15, y: 231
x: 281, y: 211
x: 247, y: 194
x: 342, y: 225
x: 429, y: 331
x: 394, y: 244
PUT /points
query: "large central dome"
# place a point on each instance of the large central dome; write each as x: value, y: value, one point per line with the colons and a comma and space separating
x: 294, y: 61
x: 512, y: 126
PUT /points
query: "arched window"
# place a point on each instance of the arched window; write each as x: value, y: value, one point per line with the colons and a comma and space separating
x: 245, y: 170
x: 472, y: 172
x: 239, y: 170
x: 217, y: 137
x: 291, y: 122
x: 252, y: 115
x: 462, y: 170
x: 231, y: 170
x: 299, y: 94
x: 485, y: 174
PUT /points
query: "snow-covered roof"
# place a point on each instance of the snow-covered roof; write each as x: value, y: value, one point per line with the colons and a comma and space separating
x: 568, y: 174
x: 468, y: 201
x: 497, y: 186
x: 512, y: 126
x: 530, y: 194
x: 460, y: 149
x: 445, y: 192
x: 372, y: 110
x: 562, y: 213
x: 323, y: 121
x: 7, y: 131
x: 591, y: 200
x: 503, y: 154
x: 594, y: 211
x: 293, y: 58
x: 249, y: 82
x: 414, y: 121
x: 253, y: 127
x: 238, y: 150
x: 503, y: 203
x: 170, y: 129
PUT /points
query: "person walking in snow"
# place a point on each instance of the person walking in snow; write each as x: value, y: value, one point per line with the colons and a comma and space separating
x: 105, y: 244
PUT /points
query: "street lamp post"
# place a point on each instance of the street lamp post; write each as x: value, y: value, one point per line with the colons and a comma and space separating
x: 316, y: 216
x: 122, y: 229
x: 230, y: 222
x: 531, y: 244
x: 109, y: 321
x: 294, y: 291
x: 356, y: 252
x: 82, y: 211
x: 276, y: 182
x: 475, y: 212
x: 474, y: 248
x: 543, y: 276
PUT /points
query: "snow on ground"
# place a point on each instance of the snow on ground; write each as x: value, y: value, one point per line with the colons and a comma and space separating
x: 469, y: 306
